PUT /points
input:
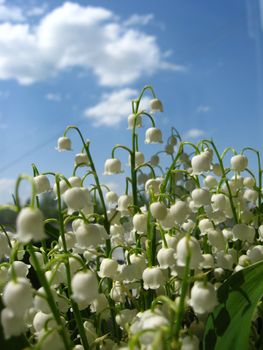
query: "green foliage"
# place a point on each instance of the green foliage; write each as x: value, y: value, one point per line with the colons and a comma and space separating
x: 229, y: 326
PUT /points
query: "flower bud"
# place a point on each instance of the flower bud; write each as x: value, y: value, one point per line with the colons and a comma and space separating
x: 42, y: 184
x: 249, y: 182
x: 152, y: 278
x: 153, y: 135
x: 216, y: 239
x: 156, y: 105
x: 64, y: 144
x: 112, y: 166
x: 169, y: 149
x: 210, y: 181
x: 218, y: 201
x: 30, y: 225
x: 239, y: 162
x: 155, y: 160
x: 158, y: 210
x: 4, y: 246
x: 125, y: 317
x: 124, y: 202
x: 250, y: 195
x: 190, y: 343
x: 173, y: 140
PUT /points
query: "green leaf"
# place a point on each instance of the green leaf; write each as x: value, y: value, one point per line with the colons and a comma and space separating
x: 228, y: 327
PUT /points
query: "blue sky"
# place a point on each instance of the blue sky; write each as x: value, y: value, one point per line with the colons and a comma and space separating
x: 80, y: 62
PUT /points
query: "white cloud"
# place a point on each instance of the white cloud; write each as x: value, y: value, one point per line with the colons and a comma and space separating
x: 203, y: 109
x: 10, y: 13
x: 89, y: 38
x: 194, y: 134
x: 53, y: 97
x: 114, y: 107
x: 139, y: 20
x: 36, y: 11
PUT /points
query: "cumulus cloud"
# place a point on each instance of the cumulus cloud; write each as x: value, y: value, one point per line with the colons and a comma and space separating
x: 203, y: 109
x: 114, y: 107
x: 86, y: 37
x: 10, y: 13
x: 139, y: 19
x: 194, y: 134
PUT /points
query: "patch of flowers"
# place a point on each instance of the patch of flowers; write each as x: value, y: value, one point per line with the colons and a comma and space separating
x: 138, y: 270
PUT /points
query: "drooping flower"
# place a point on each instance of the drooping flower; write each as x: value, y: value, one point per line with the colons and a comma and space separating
x: 30, y: 225
x: 64, y: 144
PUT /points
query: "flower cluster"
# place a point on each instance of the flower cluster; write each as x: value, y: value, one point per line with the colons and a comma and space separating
x: 139, y: 270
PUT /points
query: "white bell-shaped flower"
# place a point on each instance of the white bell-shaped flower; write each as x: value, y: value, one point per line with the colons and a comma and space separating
x: 203, y: 297
x: 180, y: 211
x: 188, y: 246
x: 42, y: 320
x: 201, y: 197
x: 112, y: 166
x: 81, y: 159
x: 131, y: 121
x: 201, y: 163
x: 216, y: 238
x: 84, y: 288
x: 225, y: 261
x: 75, y: 198
x: 249, y: 182
x: 15, y: 291
x: 42, y: 184
x: 190, y: 342
x: 139, y: 263
x: 239, y: 162
x: 125, y: 317
x: 63, y: 186
x: 30, y: 225
x: 204, y: 225
x: 139, y: 221
x: 64, y: 144
x: 250, y: 195
x: 156, y: 105
x: 75, y: 181
x: 124, y: 202
x: 152, y: 277
x: 12, y: 323
x: 255, y: 253
x: 40, y: 300
x: 153, y: 185
x: 153, y: 135
x: 210, y: 181
x: 139, y: 159
x: 108, y: 268
x: 218, y: 201
x: 88, y: 236
x: 20, y: 268
x: 208, y: 261
x: 165, y: 257
x: 111, y: 197
x: 158, y: 210
x: 117, y: 293
x: 244, y: 232
x: 168, y: 222
x: 100, y: 305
